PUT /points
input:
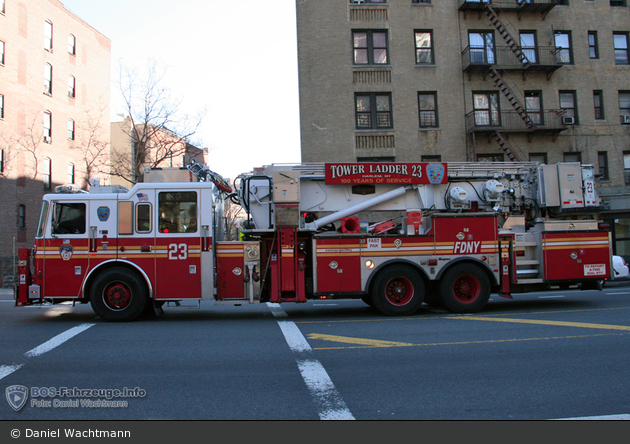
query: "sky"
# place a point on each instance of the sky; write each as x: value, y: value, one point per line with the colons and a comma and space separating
x: 235, y: 59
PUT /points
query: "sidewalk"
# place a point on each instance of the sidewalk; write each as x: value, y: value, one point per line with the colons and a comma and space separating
x: 6, y: 294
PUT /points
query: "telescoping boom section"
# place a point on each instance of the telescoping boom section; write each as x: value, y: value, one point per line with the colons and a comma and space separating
x: 395, y: 235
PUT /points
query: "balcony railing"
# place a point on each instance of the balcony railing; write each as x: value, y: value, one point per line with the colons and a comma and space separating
x: 542, y: 6
x: 541, y: 59
x: 485, y: 121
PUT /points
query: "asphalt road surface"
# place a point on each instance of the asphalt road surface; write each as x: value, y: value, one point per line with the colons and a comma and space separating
x: 551, y: 355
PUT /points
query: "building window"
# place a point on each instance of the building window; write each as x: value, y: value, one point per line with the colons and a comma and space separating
x: 540, y: 158
x: 529, y: 46
x: 420, y: 1
x: 427, y: 108
x: 602, y: 162
x: 481, y: 47
x: 621, y: 3
x: 22, y: 216
x: 2, y: 161
x: 70, y: 173
x: 1, y: 106
x: 70, y: 129
x: 1, y: 52
x: 48, y: 35
x: 626, y: 167
x: 568, y: 104
x: 563, y: 43
x: 47, y: 173
x: 533, y: 106
x: 424, y: 48
x: 593, y: 49
x: 624, y: 106
x: 370, y: 47
x: 72, y: 45
x: 489, y: 157
x: 48, y: 76
x: 2, y: 6
x: 72, y: 86
x: 620, y: 41
x: 572, y: 157
x: 486, y: 109
x: 368, y: 1
x: 598, y: 104
x: 47, y: 126
x: 431, y: 158
x: 374, y: 111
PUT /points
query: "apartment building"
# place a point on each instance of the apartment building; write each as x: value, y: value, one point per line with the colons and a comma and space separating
x: 163, y: 149
x: 54, y: 112
x: 470, y: 80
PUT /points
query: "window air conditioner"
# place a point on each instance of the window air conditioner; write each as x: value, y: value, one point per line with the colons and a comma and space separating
x: 568, y: 120
x: 625, y: 119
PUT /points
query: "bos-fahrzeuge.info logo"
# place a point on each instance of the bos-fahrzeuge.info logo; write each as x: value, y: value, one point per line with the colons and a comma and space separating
x: 63, y: 397
x: 17, y: 395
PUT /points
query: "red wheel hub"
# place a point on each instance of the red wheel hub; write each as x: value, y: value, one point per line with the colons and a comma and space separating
x: 466, y: 289
x: 399, y: 291
x: 117, y: 296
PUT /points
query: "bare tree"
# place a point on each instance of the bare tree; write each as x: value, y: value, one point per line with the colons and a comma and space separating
x: 234, y: 215
x: 92, y: 144
x: 157, y: 128
x: 29, y: 143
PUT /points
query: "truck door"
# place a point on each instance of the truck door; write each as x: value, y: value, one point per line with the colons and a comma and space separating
x: 206, y: 222
x: 178, y: 245
x: 136, y: 231
x: 66, y: 248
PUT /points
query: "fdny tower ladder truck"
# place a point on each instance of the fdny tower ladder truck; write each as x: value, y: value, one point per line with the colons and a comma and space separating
x: 395, y: 235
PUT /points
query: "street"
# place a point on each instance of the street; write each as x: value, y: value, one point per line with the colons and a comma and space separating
x: 546, y: 355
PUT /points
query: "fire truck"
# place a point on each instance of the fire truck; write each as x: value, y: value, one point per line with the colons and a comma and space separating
x: 396, y: 235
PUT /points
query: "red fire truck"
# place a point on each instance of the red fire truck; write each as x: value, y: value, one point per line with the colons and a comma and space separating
x: 396, y: 235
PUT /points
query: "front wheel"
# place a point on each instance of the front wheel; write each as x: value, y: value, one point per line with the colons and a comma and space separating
x: 465, y: 288
x: 118, y: 295
x: 398, y: 291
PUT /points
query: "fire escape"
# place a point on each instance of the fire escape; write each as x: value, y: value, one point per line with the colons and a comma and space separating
x: 501, y: 61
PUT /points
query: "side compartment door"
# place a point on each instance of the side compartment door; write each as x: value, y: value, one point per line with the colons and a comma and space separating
x: 136, y: 231
x: 66, y: 249
x: 338, y: 265
x: 178, y: 245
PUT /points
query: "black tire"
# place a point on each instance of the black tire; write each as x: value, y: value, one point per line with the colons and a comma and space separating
x: 398, y: 290
x: 367, y: 298
x: 465, y: 288
x: 118, y: 295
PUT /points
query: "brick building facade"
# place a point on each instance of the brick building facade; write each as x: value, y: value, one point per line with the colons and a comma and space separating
x: 470, y: 80
x: 54, y: 112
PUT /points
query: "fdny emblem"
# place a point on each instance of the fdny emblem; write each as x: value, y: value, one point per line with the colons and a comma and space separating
x: 17, y: 396
x: 66, y: 252
x: 435, y: 171
x: 102, y: 213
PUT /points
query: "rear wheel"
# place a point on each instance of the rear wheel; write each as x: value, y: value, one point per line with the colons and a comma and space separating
x: 118, y: 295
x: 398, y: 291
x: 465, y: 288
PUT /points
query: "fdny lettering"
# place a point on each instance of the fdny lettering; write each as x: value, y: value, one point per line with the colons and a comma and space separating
x: 353, y: 170
x: 467, y: 247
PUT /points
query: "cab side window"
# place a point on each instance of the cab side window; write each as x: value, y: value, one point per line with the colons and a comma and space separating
x: 178, y: 212
x: 143, y: 218
x: 69, y: 218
